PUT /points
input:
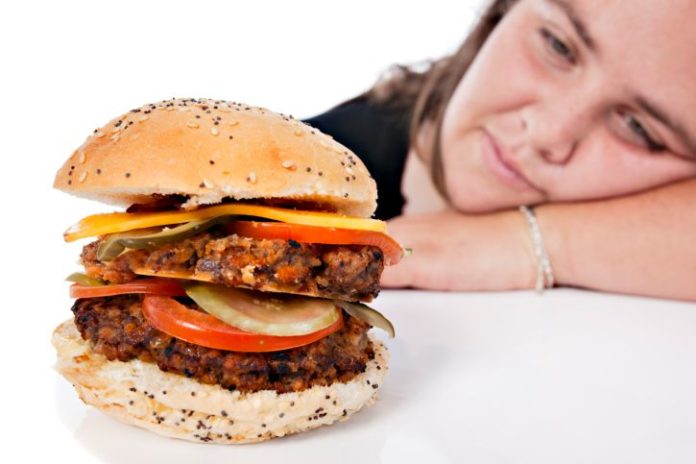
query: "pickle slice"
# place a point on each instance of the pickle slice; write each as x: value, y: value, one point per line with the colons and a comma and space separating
x: 277, y: 314
x: 115, y: 244
x: 84, y: 279
x: 367, y: 314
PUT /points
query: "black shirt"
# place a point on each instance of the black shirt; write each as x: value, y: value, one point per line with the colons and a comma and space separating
x: 379, y: 135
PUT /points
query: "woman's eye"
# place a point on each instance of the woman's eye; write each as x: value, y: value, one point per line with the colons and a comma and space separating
x: 557, y: 46
x: 639, y: 130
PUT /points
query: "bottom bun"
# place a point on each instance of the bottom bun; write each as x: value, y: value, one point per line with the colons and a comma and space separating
x: 141, y: 394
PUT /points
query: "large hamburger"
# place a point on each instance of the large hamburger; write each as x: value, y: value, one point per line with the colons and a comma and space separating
x: 227, y: 303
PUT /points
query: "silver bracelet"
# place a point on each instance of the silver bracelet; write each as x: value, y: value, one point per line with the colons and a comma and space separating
x: 545, y: 278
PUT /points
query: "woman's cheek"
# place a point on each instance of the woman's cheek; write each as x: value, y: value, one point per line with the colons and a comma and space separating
x: 624, y: 168
x: 600, y: 167
x: 510, y: 75
x: 611, y: 169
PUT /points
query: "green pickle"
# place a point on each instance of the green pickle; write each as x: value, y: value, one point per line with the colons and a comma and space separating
x: 367, y: 314
x: 115, y: 244
x: 264, y: 313
x: 84, y: 279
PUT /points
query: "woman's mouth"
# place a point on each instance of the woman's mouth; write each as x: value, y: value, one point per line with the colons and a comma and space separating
x: 503, y: 169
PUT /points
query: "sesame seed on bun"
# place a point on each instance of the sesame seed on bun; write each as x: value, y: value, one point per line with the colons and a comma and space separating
x: 210, y: 150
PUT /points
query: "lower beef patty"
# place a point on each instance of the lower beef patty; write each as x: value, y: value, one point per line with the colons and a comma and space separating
x: 346, y: 272
x: 117, y: 329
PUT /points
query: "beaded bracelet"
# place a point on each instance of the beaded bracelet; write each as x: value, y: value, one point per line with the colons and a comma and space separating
x: 545, y: 278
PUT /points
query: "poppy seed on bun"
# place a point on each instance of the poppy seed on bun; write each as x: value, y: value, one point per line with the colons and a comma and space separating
x: 141, y: 394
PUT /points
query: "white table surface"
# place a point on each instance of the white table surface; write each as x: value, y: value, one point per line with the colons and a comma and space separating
x: 513, y: 377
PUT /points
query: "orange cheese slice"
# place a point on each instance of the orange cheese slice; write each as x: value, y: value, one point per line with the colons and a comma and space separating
x: 111, y: 223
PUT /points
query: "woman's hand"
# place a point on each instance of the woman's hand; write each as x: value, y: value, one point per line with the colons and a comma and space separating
x: 454, y: 251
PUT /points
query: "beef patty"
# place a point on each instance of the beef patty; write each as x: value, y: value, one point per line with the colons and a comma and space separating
x: 117, y: 328
x: 346, y: 272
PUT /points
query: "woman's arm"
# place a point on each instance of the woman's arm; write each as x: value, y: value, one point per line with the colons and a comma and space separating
x: 640, y: 244
x: 454, y: 251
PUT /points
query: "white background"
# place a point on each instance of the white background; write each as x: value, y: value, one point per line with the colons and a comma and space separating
x: 510, y: 377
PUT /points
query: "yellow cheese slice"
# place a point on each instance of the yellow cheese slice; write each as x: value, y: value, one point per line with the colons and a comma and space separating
x: 182, y: 275
x: 111, y: 223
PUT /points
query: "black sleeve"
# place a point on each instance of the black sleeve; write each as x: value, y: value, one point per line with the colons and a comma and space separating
x: 379, y: 136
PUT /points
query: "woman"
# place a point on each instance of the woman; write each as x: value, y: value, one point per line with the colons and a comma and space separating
x: 583, y: 108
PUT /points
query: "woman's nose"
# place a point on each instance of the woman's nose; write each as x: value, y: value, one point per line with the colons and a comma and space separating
x: 554, y: 129
x: 559, y: 154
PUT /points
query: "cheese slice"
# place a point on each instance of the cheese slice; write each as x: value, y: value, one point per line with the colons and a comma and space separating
x: 111, y: 223
x: 182, y: 275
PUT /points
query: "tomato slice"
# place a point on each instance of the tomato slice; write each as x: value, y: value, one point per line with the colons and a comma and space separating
x: 393, y: 252
x: 199, y: 328
x: 166, y: 287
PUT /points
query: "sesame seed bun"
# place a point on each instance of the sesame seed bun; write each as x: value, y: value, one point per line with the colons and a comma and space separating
x: 208, y: 150
x: 139, y: 393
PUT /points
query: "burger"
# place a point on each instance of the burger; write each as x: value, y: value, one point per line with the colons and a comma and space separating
x: 226, y: 304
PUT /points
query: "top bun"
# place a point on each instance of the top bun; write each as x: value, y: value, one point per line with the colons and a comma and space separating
x: 208, y: 150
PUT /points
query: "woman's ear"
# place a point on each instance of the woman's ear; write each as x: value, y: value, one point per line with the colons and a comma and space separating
x: 423, y: 142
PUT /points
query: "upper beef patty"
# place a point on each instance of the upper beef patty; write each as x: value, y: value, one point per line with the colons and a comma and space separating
x: 346, y: 272
x: 117, y: 329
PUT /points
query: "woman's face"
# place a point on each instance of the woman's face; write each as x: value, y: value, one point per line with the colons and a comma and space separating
x: 574, y: 99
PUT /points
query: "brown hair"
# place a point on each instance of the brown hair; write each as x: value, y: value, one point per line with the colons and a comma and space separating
x: 425, y: 94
